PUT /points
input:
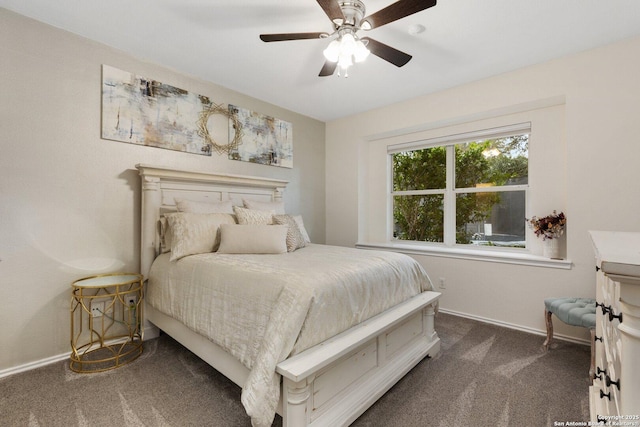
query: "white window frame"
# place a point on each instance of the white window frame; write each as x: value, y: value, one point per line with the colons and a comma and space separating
x: 450, y: 192
x: 546, y: 116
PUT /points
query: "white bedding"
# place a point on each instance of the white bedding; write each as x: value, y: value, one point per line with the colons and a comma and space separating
x: 264, y: 308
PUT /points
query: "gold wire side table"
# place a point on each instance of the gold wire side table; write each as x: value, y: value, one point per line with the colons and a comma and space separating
x: 106, y: 321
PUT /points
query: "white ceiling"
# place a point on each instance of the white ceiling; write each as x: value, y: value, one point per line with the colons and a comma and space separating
x: 217, y: 40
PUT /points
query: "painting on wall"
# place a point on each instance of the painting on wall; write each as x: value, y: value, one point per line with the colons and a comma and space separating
x: 265, y: 140
x: 147, y: 112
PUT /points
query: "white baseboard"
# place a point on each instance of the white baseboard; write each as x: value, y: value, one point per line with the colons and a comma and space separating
x: 527, y: 329
x: 150, y: 332
x: 33, y: 365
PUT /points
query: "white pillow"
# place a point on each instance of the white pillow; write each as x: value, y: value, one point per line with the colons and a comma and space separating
x: 295, y: 239
x: 300, y: 223
x: 253, y: 239
x: 204, y: 207
x: 253, y: 217
x: 278, y: 206
x: 193, y: 233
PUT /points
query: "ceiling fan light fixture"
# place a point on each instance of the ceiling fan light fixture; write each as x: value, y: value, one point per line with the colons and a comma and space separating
x: 332, y: 52
x: 361, y: 52
x: 347, y: 44
x: 348, y: 17
x: 345, y: 62
x: 345, y: 50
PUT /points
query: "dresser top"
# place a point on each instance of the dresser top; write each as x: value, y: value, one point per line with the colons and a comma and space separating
x: 617, y: 252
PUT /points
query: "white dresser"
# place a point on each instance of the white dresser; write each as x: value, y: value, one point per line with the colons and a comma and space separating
x: 615, y: 393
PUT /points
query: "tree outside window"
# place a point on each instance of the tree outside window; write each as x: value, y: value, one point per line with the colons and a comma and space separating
x: 483, y: 194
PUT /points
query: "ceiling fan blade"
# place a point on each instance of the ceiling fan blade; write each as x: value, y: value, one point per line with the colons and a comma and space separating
x: 395, y: 11
x: 328, y: 69
x: 290, y: 36
x: 387, y: 53
x: 333, y: 10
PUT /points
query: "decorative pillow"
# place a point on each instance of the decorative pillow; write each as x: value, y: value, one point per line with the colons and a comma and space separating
x: 300, y: 223
x: 295, y: 239
x: 204, y: 207
x: 278, y: 206
x: 253, y: 217
x: 193, y: 233
x: 253, y: 239
x: 165, y: 235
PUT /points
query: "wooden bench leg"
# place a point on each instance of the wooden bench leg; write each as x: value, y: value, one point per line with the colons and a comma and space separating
x: 547, y: 318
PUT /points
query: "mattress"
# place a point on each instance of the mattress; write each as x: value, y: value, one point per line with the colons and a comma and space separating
x: 264, y: 308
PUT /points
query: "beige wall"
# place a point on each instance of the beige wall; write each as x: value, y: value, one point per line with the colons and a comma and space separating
x: 591, y: 149
x: 69, y: 199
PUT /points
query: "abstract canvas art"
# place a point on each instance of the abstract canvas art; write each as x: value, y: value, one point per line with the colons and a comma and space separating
x: 266, y: 140
x: 147, y: 112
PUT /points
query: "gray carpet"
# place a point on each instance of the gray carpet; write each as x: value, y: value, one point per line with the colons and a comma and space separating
x: 485, y: 376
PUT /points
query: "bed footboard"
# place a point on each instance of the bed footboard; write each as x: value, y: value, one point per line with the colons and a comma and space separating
x: 333, y: 383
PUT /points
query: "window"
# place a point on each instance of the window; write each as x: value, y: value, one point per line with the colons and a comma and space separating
x: 466, y: 189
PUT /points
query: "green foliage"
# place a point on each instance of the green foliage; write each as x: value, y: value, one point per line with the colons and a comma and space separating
x: 471, y: 166
x: 487, y: 163
x: 513, y: 164
x: 419, y: 218
x: 420, y: 169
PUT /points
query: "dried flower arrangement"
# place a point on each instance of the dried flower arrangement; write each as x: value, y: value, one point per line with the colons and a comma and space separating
x: 549, y: 227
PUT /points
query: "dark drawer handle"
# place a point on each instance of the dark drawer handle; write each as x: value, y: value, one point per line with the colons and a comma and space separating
x: 601, y: 305
x: 599, y: 372
x: 597, y: 338
x: 614, y: 316
x: 608, y: 381
x: 607, y: 395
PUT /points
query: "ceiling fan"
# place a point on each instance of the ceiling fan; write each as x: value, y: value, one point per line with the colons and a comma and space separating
x: 348, y: 17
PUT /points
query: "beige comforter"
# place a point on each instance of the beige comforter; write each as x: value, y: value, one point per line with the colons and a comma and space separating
x: 264, y: 308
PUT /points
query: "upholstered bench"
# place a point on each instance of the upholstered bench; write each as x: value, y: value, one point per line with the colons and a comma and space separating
x: 572, y: 311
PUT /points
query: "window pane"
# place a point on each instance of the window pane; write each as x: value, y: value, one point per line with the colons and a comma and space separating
x: 419, y: 218
x: 420, y: 169
x: 492, y: 162
x: 491, y: 218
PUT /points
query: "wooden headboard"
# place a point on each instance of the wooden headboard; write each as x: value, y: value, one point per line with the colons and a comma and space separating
x: 160, y: 186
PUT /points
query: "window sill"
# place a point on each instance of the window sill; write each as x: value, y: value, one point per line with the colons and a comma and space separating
x: 471, y: 254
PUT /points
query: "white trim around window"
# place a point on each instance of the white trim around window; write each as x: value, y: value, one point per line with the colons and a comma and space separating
x: 545, y: 120
x: 475, y: 254
x: 450, y: 191
x: 496, y: 132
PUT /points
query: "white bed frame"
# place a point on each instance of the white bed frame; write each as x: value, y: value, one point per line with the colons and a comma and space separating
x: 330, y: 384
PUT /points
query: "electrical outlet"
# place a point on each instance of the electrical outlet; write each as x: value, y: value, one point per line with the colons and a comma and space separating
x: 131, y: 300
x: 442, y: 283
x: 97, y: 308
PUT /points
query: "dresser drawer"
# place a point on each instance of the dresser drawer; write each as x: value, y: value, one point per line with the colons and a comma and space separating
x: 615, y: 392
